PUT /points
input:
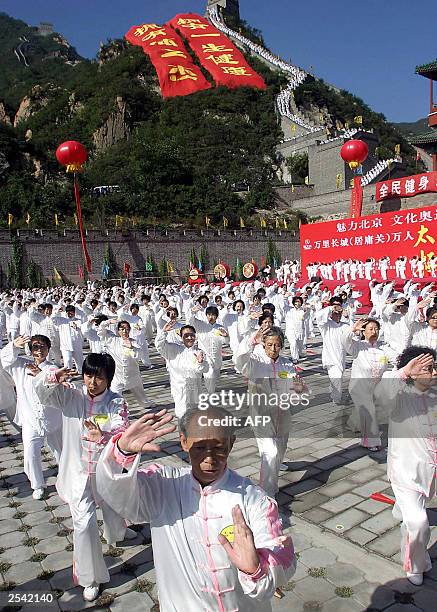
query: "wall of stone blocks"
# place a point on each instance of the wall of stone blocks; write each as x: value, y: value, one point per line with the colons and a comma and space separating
x: 54, y: 250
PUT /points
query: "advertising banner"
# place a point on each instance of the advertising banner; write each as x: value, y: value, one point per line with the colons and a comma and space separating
x: 407, y: 186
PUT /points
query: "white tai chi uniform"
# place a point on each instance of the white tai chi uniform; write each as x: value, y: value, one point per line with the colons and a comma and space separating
x: 8, y: 400
x: 210, y: 342
x: 267, y: 381
x: 185, y: 372
x: 76, y: 483
x: 71, y: 340
x: 37, y: 421
x: 193, y: 570
x: 295, y: 330
x: 127, y: 373
x: 334, y: 336
x: 370, y: 361
x: 138, y: 334
x: 411, y: 462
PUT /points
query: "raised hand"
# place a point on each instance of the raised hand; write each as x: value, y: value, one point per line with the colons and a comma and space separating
x: 65, y: 374
x: 169, y: 326
x: 21, y: 341
x: 419, y: 366
x: 242, y: 553
x: 94, y: 432
x: 139, y: 437
x: 200, y: 356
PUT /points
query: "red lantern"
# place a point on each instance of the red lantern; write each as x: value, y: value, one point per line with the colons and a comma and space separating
x: 354, y: 152
x: 71, y: 154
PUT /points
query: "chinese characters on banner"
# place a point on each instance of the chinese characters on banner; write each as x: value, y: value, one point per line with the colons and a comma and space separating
x: 177, y: 73
x: 356, y: 198
x: 216, y: 53
x: 404, y: 232
x: 406, y: 186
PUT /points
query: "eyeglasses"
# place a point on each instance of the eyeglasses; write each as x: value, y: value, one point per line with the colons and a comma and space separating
x: 36, y: 347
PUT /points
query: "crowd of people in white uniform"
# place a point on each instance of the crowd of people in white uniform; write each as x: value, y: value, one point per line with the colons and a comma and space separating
x: 217, y: 538
x: 353, y: 269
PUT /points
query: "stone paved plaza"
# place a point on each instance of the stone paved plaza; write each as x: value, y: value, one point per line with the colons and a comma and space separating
x: 347, y: 544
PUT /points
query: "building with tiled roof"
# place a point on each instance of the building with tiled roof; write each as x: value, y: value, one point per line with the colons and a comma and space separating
x: 428, y: 140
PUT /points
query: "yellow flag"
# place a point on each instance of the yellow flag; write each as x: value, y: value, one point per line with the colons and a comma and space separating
x: 277, y: 223
x: 358, y: 119
x: 307, y: 180
x: 338, y: 181
x: 207, y: 221
x: 225, y: 222
x: 292, y: 188
x: 118, y: 221
x: 10, y: 219
x: 170, y: 267
x: 397, y: 149
x: 346, y: 125
x: 285, y: 224
x: 328, y: 132
x: 56, y: 219
x: 76, y: 222
x: 57, y: 274
x: 321, y: 117
x: 351, y: 182
x: 263, y: 222
x: 293, y: 127
x: 27, y: 218
x: 242, y: 223
x: 388, y: 164
x: 338, y: 125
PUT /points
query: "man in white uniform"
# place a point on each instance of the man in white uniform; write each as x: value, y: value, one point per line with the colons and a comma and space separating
x: 217, y: 539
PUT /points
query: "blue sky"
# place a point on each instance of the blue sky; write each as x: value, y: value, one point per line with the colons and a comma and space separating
x: 370, y: 48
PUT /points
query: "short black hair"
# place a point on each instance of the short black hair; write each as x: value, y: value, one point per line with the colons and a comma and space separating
x: 412, y: 352
x: 238, y: 302
x: 336, y: 299
x: 264, y: 316
x: 120, y: 323
x: 40, y: 338
x: 431, y: 311
x: 212, y: 310
x: 137, y: 306
x: 295, y: 298
x: 100, y: 318
x: 70, y: 308
x: 268, y: 306
x: 97, y: 364
x: 186, y: 327
x: 172, y: 309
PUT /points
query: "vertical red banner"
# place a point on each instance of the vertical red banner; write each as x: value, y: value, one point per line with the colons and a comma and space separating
x: 356, y: 198
x: 216, y: 52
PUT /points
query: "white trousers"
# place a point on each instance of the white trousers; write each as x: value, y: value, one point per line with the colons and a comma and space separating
x: 272, y: 451
x: 415, y: 532
x: 210, y: 379
x: 55, y: 355
x: 296, y: 346
x: 32, y: 445
x: 335, y: 374
x: 88, y: 562
x: 70, y: 356
x: 361, y: 392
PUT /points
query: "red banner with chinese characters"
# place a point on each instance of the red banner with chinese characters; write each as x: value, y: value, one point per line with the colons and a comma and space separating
x: 356, y: 198
x: 177, y: 73
x: 216, y: 53
x: 403, y: 232
x: 406, y: 186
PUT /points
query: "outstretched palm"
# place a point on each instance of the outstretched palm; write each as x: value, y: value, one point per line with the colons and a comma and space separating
x: 242, y: 553
x: 139, y: 437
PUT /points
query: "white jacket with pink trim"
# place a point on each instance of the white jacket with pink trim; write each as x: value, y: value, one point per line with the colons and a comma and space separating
x: 79, y: 455
x: 192, y: 568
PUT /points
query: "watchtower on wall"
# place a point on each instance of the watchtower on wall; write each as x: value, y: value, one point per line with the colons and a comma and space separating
x: 227, y: 7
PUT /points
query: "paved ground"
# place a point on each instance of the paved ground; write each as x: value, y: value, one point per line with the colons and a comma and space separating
x: 348, y: 545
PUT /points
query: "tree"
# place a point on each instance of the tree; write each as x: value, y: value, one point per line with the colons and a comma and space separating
x: 15, y: 267
x: 273, y: 256
x: 297, y: 165
x: 204, y: 258
x: 163, y: 270
x: 109, y: 263
x: 34, y: 277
